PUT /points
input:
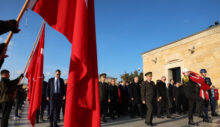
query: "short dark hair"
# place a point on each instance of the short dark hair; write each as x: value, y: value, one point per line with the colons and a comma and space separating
x: 4, y: 72
x: 58, y: 70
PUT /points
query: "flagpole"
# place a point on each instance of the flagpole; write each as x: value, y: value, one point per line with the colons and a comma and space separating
x: 18, y: 20
x: 32, y: 52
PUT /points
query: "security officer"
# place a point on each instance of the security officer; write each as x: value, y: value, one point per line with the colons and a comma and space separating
x: 190, y: 93
x: 203, y: 73
x: 147, y: 96
x: 104, y: 96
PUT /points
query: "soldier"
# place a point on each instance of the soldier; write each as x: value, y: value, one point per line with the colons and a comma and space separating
x: 203, y: 73
x: 190, y: 92
x: 147, y: 96
x: 104, y: 96
x: 113, y: 92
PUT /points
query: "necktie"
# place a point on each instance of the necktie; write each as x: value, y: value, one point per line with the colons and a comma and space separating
x: 57, y: 88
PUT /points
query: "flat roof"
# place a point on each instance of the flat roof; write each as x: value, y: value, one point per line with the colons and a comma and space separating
x: 211, y: 27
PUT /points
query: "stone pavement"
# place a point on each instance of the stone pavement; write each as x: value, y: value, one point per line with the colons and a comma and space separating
x: 176, y: 121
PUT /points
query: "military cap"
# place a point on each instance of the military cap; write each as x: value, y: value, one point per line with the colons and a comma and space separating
x: 103, y: 74
x: 203, y: 71
x: 148, y: 73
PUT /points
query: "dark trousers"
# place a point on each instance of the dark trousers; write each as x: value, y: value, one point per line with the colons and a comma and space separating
x: 162, y: 106
x: 6, y: 109
x: 17, y: 105
x: 112, y: 108
x: 104, y: 108
x: 149, y: 113
x: 190, y: 110
x: 40, y: 113
x: 136, y: 106
x: 213, y: 104
x: 62, y: 107
x: 55, y: 104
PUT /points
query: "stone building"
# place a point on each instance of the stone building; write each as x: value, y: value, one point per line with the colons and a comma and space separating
x: 200, y: 50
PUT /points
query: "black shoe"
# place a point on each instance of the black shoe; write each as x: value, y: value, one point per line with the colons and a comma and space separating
x: 214, y: 114
x: 193, y: 123
x: 159, y: 116
x: 148, y: 124
x: 207, y: 120
x: 51, y: 124
x: 55, y: 124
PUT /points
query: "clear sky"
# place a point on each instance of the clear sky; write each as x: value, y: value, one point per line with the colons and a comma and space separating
x: 124, y: 30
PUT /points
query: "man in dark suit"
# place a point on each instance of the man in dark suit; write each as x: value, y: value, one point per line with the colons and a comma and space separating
x: 104, y: 96
x: 162, y: 97
x: 55, y: 95
x: 135, y: 97
x: 147, y: 96
x: 113, y: 92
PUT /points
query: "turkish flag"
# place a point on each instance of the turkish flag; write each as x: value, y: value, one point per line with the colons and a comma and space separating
x: 76, y: 20
x: 35, y: 79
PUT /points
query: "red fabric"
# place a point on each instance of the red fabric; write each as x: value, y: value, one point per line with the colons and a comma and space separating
x: 75, y: 19
x: 120, y: 97
x: 35, y: 77
x: 216, y: 94
x: 204, y: 87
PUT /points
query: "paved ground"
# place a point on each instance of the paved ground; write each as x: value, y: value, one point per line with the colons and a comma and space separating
x: 176, y: 121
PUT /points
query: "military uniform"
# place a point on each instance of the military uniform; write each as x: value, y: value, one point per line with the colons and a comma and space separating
x: 103, y: 95
x: 147, y: 95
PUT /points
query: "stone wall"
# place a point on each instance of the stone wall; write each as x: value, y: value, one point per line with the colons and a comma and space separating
x: 177, y: 54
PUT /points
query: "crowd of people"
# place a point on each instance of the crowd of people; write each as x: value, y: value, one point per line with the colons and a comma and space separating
x: 145, y: 99
x: 160, y: 99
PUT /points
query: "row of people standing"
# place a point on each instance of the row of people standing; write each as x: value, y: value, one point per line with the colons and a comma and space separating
x: 160, y: 99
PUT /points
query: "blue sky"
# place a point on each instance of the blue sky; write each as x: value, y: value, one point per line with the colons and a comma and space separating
x: 124, y: 30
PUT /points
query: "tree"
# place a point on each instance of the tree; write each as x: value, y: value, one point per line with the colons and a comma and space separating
x: 130, y: 77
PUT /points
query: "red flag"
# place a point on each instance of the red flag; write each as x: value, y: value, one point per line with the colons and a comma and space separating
x: 75, y: 19
x: 35, y: 78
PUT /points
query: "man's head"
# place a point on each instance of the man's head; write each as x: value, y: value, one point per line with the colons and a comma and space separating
x: 149, y: 76
x: 113, y: 82
x: 136, y: 79
x: 65, y: 81
x: 5, y: 74
x: 57, y: 73
x: 163, y: 79
x: 186, y: 72
x: 172, y: 81
x: 103, y: 77
x: 203, y: 72
x: 177, y: 84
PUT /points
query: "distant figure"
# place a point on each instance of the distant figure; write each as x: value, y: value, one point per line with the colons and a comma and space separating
x: 104, y: 96
x: 55, y: 94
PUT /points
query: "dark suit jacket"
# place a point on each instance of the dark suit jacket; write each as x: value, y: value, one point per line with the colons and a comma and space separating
x: 147, y: 91
x: 50, y: 88
x: 103, y: 92
x: 135, y: 92
x: 161, y: 89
